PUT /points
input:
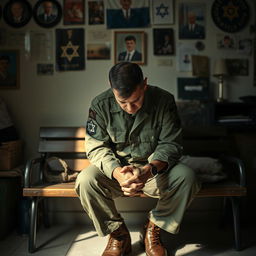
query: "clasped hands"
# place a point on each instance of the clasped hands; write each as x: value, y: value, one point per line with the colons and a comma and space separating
x: 132, y: 179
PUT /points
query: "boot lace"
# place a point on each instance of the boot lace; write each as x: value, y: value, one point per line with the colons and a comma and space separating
x: 154, y: 233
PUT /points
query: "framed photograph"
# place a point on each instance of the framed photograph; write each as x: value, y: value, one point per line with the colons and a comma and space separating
x: 70, y: 49
x: 17, y: 13
x: 44, y: 69
x: 9, y: 69
x: 193, y: 88
x: 130, y: 46
x: 98, y: 51
x: 47, y: 13
x: 163, y: 12
x: 127, y: 14
x: 163, y: 41
x: 74, y: 11
x: 192, y: 21
x: 96, y: 12
x: 238, y: 67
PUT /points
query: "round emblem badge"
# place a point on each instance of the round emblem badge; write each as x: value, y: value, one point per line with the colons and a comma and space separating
x: 230, y: 15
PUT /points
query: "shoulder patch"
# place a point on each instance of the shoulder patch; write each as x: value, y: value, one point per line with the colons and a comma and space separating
x: 92, y: 114
x: 91, y: 127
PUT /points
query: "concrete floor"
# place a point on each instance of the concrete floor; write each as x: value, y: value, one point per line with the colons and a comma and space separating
x: 205, y: 239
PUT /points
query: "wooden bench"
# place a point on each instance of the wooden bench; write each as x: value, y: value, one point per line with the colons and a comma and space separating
x: 68, y: 143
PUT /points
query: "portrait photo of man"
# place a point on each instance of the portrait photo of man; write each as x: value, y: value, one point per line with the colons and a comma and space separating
x: 191, y: 21
x: 130, y: 47
x: 8, y: 69
x: 47, y: 13
x: 127, y: 13
x: 17, y: 13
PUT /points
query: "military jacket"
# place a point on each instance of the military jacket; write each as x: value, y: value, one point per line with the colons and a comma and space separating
x: 115, y: 138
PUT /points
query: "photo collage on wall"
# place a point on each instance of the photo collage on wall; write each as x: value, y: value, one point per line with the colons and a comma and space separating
x: 114, y: 30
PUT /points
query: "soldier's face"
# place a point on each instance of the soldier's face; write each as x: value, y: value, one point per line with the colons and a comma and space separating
x: 132, y: 104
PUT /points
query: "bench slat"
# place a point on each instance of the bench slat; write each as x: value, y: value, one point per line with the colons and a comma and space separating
x: 62, y: 146
x: 67, y: 190
x: 62, y: 132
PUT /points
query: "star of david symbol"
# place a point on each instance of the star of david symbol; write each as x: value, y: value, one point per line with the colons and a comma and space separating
x: 66, y: 54
x: 230, y: 11
x: 162, y: 10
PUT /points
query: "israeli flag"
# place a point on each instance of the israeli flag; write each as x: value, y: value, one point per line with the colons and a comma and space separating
x: 163, y: 12
x: 127, y: 13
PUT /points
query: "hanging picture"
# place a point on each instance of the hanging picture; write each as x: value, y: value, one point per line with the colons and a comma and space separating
x: 163, y: 12
x: 96, y: 12
x: 130, y: 46
x: 73, y: 11
x: 47, y: 13
x: 127, y: 14
x: 98, y: 51
x: 184, y: 57
x: 17, y: 13
x: 70, y: 49
x: 163, y: 41
x: 9, y: 69
x: 226, y: 42
x: 191, y: 21
x: 238, y: 67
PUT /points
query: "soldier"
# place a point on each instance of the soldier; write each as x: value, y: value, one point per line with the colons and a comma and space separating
x: 133, y: 143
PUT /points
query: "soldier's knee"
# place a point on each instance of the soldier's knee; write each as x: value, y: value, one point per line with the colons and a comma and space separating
x: 87, y: 178
x: 184, y: 174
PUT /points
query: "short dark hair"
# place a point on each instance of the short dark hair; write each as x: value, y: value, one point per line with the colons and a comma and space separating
x: 125, y: 77
x: 129, y: 38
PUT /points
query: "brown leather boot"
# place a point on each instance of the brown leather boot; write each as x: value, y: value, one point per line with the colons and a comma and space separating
x: 152, y: 242
x: 119, y: 242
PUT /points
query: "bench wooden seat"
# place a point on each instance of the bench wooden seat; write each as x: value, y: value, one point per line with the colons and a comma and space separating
x: 68, y: 143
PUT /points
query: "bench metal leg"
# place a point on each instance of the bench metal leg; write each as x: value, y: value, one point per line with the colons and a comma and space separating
x: 45, y: 213
x: 236, y: 217
x: 33, y: 225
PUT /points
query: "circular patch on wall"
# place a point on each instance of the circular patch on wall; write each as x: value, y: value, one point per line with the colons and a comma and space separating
x: 230, y: 15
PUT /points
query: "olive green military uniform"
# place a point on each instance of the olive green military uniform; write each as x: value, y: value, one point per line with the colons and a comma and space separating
x: 115, y: 138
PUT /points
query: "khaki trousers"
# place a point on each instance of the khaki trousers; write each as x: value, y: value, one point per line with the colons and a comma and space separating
x: 175, y: 190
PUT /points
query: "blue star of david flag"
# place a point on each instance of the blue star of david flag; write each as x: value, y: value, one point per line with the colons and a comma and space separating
x: 163, y: 11
x: 70, y: 49
x: 132, y: 15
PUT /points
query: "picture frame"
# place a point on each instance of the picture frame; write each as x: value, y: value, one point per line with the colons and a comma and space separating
x: 127, y: 14
x: 162, y: 12
x: 70, y: 49
x: 73, y: 12
x: 47, y: 13
x: 96, y: 12
x: 9, y: 69
x: 127, y: 41
x: 238, y: 67
x: 163, y: 39
x: 98, y: 51
x: 17, y: 13
x: 192, y: 20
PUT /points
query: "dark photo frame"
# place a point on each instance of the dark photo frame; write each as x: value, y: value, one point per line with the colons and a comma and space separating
x: 163, y: 41
x: 17, y: 13
x: 47, y: 13
x: 73, y: 12
x: 9, y: 69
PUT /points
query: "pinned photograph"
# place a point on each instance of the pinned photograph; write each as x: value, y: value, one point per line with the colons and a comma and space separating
x: 9, y: 69
x: 245, y: 46
x: 73, y: 12
x: 45, y: 69
x: 191, y: 21
x: 225, y: 41
x: 127, y: 13
x: 98, y: 51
